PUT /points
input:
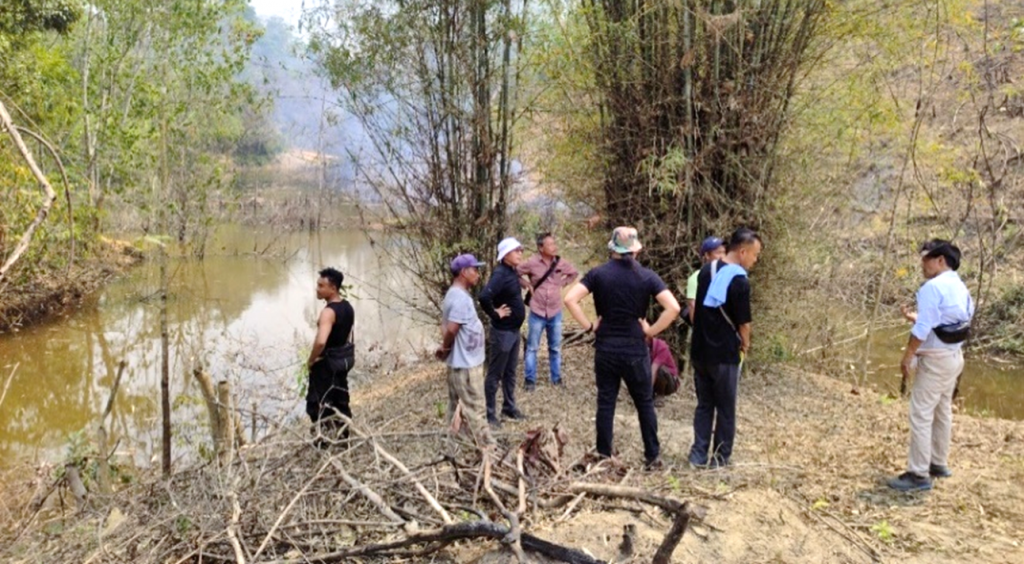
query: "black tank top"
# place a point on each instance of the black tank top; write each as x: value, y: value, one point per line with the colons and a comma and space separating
x: 344, y: 317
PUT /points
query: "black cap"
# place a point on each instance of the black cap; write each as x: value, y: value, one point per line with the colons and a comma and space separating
x: 942, y: 248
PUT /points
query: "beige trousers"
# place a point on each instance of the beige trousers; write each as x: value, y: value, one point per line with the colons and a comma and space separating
x: 931, y: 411
x: 466, y: 385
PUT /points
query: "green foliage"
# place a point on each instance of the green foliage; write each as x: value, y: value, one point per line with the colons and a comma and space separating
x: 19, y: 17
x: 1003, y: 320
x: 143, y: 104
x: 884, y: 531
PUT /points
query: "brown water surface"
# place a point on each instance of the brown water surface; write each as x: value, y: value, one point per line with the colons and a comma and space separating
x: 247, y: 313
x: 989, y: 387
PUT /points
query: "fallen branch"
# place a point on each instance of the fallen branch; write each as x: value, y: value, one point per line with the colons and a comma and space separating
x: 288, y: 508
x: 401, y: 467
x: 370, y: 495
x: 682, y: 511
x: 447, y: 535
x: 672, y: 538
x: 514, y: 536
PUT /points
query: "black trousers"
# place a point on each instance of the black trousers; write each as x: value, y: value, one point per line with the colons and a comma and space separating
x: 328, y: 391
x: 716, y: 386
x: 610, y: 370
x: 502, y: 359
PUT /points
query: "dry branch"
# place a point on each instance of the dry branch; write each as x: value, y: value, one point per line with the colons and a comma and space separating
x: 447, y: 535
x: 103, y: 476
x: 401, y: 467
x: 370, y: 495
x: 44, y: 208
x: 7, y: 383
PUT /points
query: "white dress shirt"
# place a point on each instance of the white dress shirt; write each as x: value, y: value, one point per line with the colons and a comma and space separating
x: 940, y: 301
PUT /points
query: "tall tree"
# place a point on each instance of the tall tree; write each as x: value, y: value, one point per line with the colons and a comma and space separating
x: 421, y: 78
x: 693, y: 98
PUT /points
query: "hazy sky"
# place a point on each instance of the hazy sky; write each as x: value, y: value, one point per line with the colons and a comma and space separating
x: 289, y: 10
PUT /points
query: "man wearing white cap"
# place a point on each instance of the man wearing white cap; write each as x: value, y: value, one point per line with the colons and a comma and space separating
x: 502, y: 301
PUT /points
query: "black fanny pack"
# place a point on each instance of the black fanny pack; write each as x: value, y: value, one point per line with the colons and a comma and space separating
x: 953, y: 333
x: 346, y: 351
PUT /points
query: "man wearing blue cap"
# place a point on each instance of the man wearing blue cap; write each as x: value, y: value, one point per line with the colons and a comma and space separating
x: 502, y: 301
x: 711, y: 249
x: 462, y: 347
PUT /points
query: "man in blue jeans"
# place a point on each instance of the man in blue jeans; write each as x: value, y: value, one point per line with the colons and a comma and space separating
x: 543, y: 276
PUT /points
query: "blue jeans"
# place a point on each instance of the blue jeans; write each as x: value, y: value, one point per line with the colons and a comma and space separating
x: 537, y: 325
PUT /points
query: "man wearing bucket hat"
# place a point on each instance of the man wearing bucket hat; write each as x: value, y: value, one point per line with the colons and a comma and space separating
x: 502, y: 301
x: 462, y: 348
x: 941, y: 324
x: 622, y: 292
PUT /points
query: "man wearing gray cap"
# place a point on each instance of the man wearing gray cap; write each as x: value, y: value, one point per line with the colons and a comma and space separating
x: 502, y: 301
x: 462, y: 348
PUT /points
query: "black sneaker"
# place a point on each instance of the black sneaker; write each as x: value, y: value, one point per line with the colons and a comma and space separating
x: 514, y: 415
x: 529, y: 386
x: 910, y: 482
x: 937, y: 471
x: 494, y: 422
x: 654, y: 465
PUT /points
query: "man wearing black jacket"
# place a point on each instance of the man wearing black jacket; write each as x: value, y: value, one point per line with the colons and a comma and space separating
x: 502, y: 301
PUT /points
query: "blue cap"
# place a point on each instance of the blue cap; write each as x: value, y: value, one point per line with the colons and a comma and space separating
x: 464, y: 261
x: 710, y: 244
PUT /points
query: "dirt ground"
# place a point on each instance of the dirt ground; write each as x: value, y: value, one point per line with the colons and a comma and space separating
x: 807, y: 483
x: 807, y: 480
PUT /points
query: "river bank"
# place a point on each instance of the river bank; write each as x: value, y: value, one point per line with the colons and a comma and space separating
x: 47, y: 295
x: 806, y: 486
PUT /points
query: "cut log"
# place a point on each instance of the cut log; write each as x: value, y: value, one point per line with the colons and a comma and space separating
x: 225, y: 423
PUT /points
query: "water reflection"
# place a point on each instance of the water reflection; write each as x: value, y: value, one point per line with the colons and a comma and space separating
x: 988, y: 387
x: 247, y: 313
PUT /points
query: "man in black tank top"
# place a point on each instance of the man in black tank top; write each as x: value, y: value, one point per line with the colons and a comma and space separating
x: 332, y: 356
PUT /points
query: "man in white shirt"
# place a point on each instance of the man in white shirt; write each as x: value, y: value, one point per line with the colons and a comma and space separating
x: 944, y: 309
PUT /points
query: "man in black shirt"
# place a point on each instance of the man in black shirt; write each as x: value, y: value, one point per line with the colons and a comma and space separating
x: 502, y: 301
x: 622, y: 292
x: 721, y: 338
x: 332, y: 355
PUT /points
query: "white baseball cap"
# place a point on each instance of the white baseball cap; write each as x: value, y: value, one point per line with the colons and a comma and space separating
x: 506, y: 246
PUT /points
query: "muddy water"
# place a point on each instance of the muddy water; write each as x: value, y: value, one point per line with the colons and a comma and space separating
x: 988, y: 387
x: 247, y: 313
